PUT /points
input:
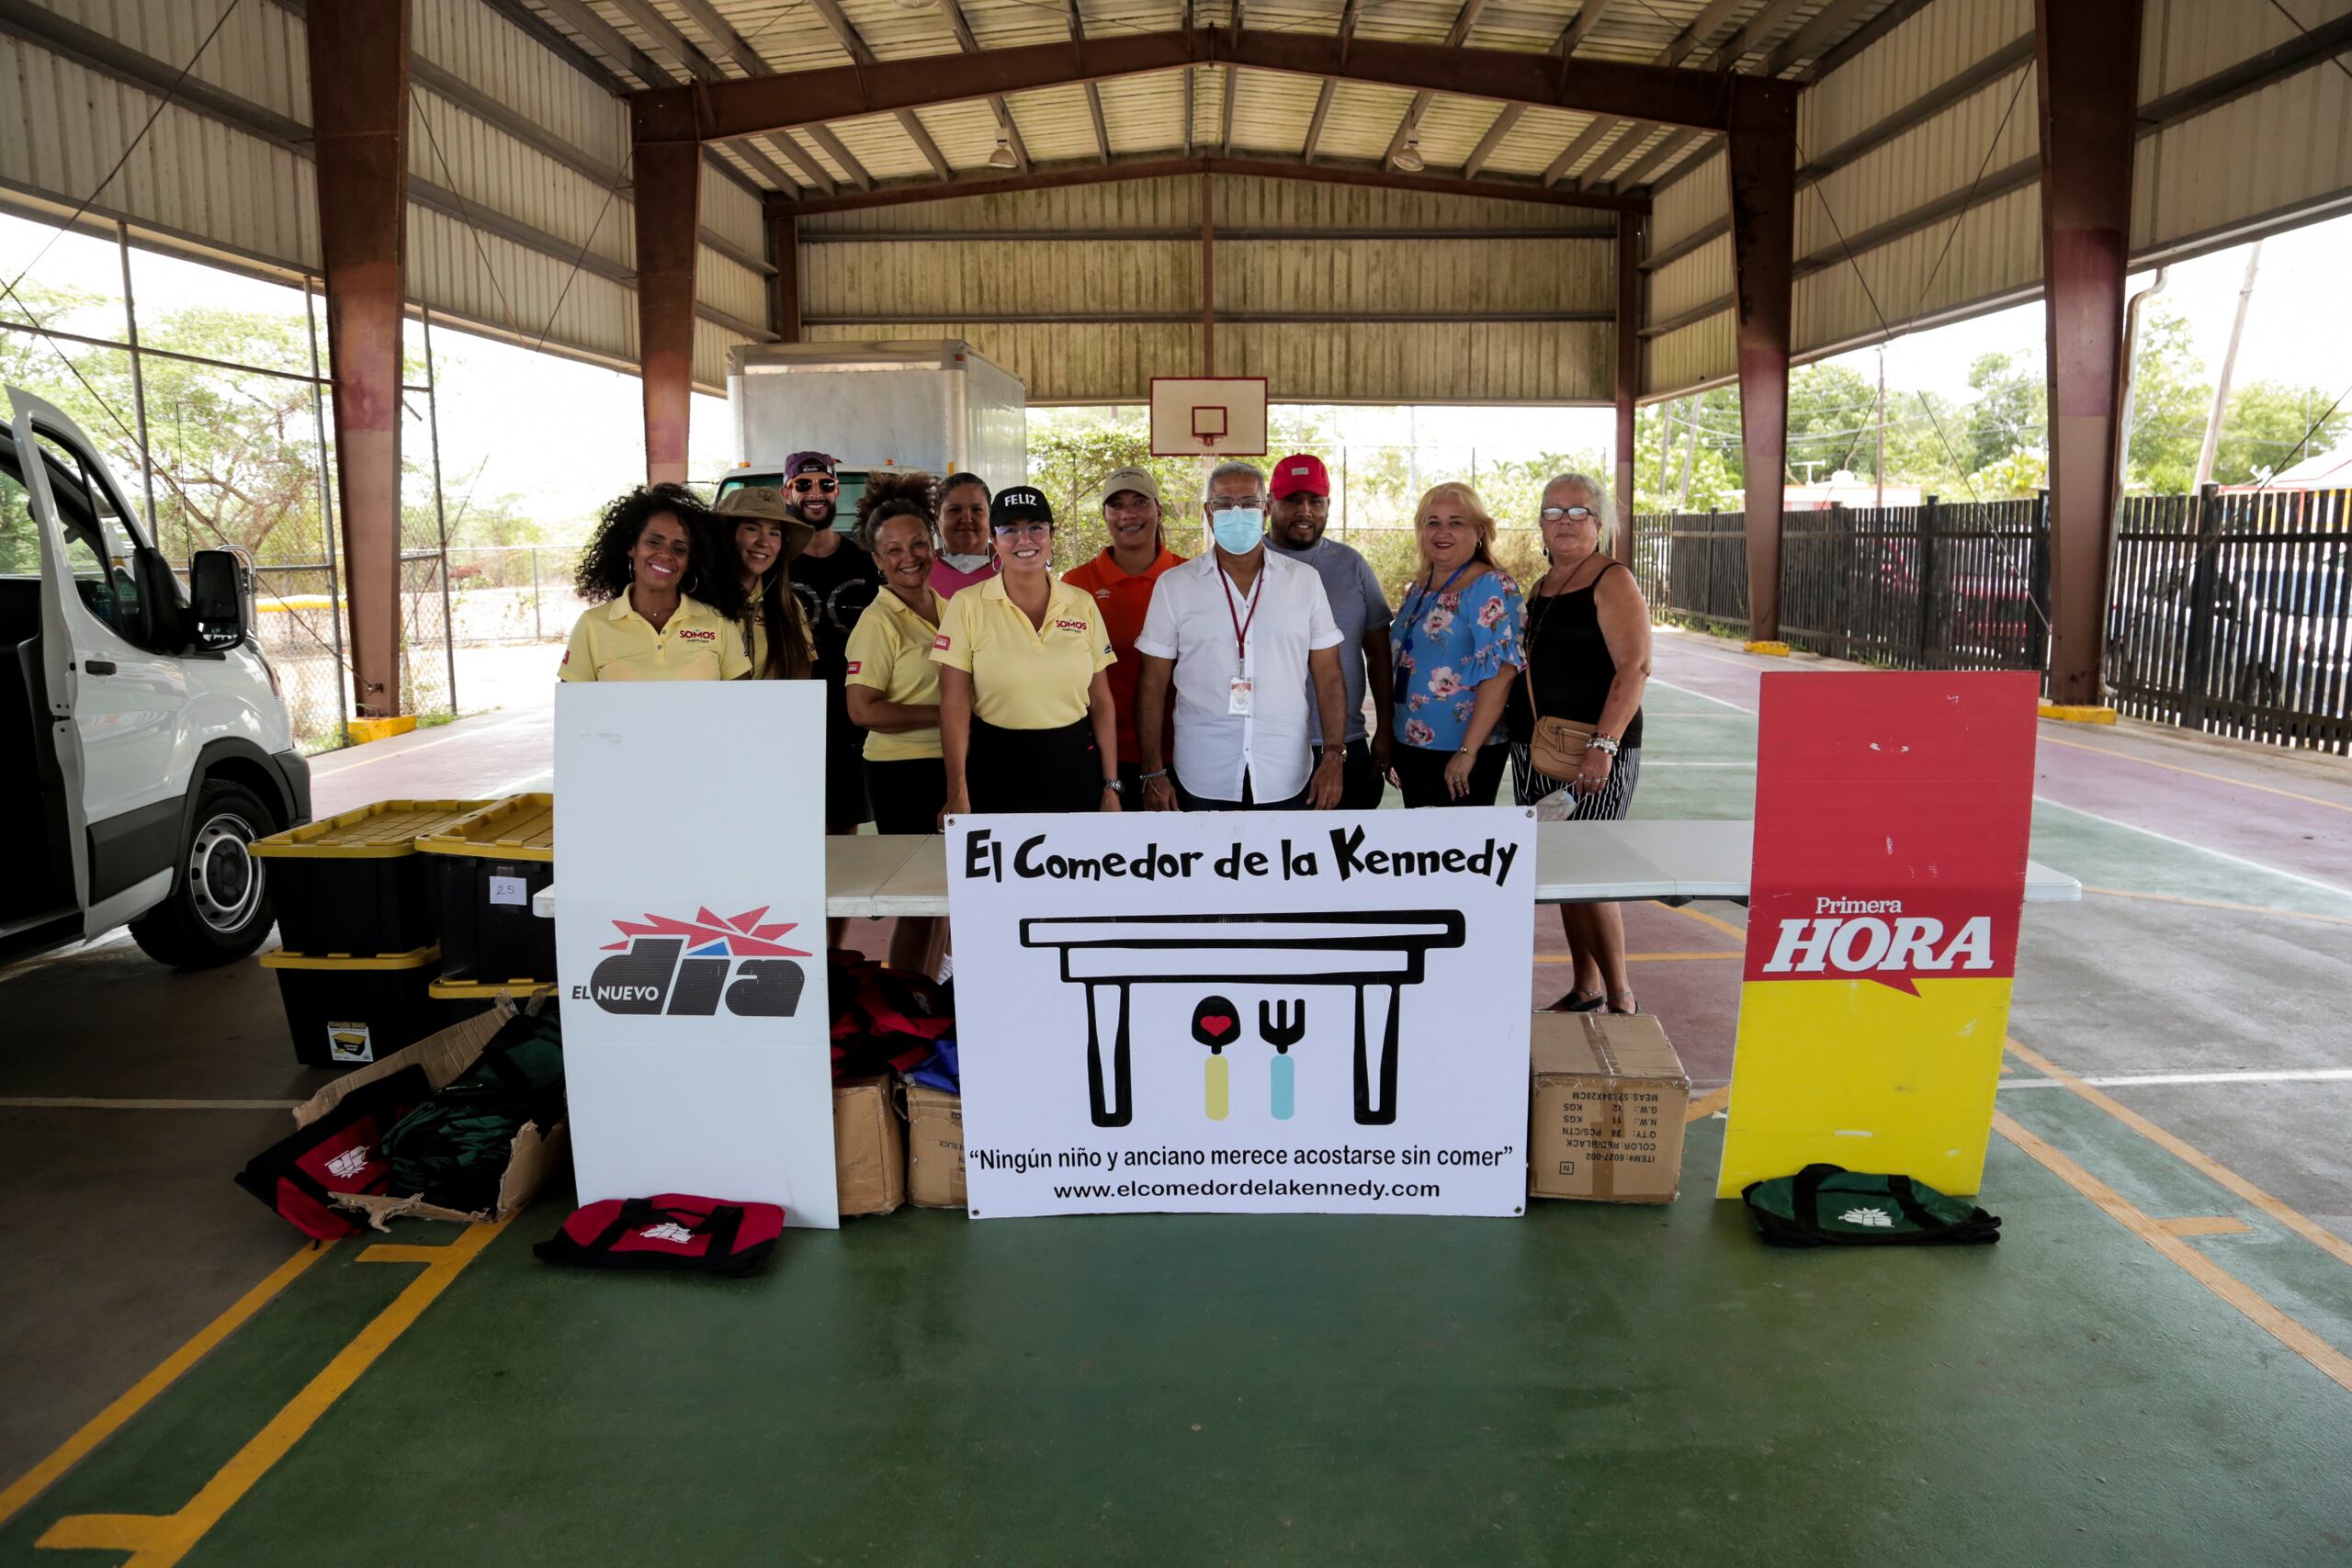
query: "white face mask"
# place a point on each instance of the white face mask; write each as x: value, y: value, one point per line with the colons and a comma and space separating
x: 966, y: 564
x: 1237, y: 529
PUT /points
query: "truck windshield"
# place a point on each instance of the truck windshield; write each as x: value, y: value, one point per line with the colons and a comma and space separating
x: 844, y: 504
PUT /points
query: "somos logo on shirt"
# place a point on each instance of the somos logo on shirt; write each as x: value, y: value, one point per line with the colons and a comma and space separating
x: 1072, y: 626
x: 696, y: 634
x: 691, y: 968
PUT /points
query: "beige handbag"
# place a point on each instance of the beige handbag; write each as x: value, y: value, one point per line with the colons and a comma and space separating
x: 1556, y: 747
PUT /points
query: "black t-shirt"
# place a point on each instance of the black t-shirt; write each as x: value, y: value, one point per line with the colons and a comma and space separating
x: 835, y: 591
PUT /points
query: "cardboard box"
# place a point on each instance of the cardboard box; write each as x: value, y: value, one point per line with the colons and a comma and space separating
x: 934, y: 1147
x: 1605, y: 1114
x: 446, y: 1057
x: 869, y: 1146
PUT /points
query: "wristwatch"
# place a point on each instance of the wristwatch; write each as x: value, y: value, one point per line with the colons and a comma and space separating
x: 1116, y: 786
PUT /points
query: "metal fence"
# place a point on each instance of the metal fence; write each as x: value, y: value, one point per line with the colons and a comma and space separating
x: 2232, y: 615
x: 2227, y: 613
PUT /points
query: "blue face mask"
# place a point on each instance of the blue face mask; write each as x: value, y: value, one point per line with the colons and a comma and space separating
x: 1238, y: 529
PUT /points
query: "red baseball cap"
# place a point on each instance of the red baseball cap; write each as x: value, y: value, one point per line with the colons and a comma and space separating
x: 1301, y: 474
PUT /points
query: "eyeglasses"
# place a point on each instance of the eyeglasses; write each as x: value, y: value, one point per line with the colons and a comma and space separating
x: 1573, y: 514
x: 1030, y: 530
x: 822, y: 486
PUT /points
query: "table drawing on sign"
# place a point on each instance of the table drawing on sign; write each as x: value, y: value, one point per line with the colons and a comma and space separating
x: 1375, y: 954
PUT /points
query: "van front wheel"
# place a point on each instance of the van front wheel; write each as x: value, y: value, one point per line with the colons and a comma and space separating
x: 218, y: 911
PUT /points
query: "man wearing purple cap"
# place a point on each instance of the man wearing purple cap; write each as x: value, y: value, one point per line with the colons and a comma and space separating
x: 836, y: 580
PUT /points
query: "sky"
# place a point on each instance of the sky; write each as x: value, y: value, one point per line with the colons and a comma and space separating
x: 564, y: 436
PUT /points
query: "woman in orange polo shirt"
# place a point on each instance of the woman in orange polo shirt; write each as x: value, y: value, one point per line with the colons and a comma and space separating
x: 663, y: 608
x: 1120, y: 582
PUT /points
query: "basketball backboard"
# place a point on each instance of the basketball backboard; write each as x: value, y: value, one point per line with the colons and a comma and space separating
x: 1208, y: 416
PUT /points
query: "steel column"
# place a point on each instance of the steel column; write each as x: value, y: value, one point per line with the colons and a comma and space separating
x: 784, y: 282
x: 1629, y: 363
x: 359, y: 62
x: 1761, y: 160
x: 666, y: 186
x: 1209, y: 276
x: 2088, y: 81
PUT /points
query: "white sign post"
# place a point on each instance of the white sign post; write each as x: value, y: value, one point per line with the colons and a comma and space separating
x: 1269, y: 1012
x: 690, y: 941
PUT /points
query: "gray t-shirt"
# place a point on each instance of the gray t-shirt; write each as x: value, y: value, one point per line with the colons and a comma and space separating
x: 1357, y: 602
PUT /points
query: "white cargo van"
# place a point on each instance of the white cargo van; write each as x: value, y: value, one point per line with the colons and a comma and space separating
x: 145, y: 745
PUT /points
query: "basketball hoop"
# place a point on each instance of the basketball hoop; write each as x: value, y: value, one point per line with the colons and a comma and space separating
x: 1209, y: 424
x: 1208, y: 416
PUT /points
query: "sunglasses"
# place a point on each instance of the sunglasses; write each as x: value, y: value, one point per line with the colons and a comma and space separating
x: 1573, y: 514
x: 822, y: 486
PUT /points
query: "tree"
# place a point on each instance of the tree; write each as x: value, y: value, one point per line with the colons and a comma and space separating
x: 2270, y: 425
x: 1832, y: 418
x: 2010, y: 412
x: 2170, y: 401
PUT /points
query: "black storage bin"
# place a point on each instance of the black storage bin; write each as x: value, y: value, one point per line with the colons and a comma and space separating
x: 493, y: 864
x: 355, y: 883
x: 346, y: 1008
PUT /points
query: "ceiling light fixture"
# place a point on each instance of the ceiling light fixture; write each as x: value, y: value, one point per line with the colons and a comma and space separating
x: 1002, y: 158
x: 912, y: 5
x: 1409, y: 160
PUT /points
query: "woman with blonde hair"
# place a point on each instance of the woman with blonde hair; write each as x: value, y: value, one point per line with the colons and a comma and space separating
x: 1587, y: 647
x: 1456, y: 641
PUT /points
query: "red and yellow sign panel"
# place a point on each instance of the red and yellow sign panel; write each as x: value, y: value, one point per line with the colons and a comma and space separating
x: 1891, y: 817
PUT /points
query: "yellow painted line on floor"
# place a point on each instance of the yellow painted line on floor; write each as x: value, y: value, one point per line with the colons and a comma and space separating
x: 1632, y: 958
x: 2257, y: 1308
x: 95, y: 1102
x: 107, y: 1421
x: 1706, y: 919
x: 2220, y: 904
x: 158, y: 1541
x: 1707, y: 1104
x: 364, y: 757
x: 2311, y: 1230
x: 2195, y: 773
x: 2206, y: 1224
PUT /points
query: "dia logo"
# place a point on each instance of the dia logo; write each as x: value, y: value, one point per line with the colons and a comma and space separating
x: 689, y: 968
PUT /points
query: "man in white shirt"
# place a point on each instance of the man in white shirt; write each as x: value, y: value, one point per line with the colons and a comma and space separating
x: 1240, y: 633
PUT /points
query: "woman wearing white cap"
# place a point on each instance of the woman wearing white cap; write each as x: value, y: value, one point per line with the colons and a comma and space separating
x: 1026, y: 721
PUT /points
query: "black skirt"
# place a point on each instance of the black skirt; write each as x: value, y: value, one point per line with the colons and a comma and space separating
x: 1033, y: 770
x: 907, y: 795
x: 1420, y: 775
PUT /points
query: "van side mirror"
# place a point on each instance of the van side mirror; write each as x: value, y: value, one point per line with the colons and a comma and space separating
x: 216, y: 595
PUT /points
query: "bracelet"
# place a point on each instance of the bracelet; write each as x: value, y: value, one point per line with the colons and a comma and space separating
x: 1604, y: 744
x: 1156, y: 773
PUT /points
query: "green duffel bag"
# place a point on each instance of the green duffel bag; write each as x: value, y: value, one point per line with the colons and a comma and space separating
x: 453, y: 1149
x: 1827, y: 1205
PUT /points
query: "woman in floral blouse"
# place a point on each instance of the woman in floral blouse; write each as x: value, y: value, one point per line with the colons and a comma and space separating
x: 1456, y: 641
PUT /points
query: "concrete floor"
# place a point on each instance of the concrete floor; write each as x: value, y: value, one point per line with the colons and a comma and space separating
x: 2111, y: 1383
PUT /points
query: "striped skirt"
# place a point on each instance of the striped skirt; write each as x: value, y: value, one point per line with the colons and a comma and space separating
x: 1609, y: 803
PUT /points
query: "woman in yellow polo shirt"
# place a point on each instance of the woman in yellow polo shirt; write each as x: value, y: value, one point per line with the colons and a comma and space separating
x: 1025, y: 718
x: 893, y: 685
x: 642, y: 574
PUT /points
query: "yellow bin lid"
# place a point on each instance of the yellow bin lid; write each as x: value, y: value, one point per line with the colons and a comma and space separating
x: 415, y: 958
x: 447, y: 990
x: 381, y: 831
x: 521, y: 826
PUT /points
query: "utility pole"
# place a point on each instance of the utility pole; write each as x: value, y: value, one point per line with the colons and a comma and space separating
x: 2228, y: 368
x: 1878, y: 463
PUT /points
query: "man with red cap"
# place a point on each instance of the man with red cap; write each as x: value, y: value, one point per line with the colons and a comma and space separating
x: 1302, y: 507
x: 836, y: 580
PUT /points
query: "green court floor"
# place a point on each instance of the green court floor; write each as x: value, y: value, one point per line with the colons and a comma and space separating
x: 1593, y: 1383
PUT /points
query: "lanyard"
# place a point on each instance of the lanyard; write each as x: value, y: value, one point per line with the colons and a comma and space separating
x: 1243, y: 623
x: 1413, y: 606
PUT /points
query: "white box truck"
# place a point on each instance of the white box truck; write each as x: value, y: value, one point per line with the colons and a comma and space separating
x: 929, y: 404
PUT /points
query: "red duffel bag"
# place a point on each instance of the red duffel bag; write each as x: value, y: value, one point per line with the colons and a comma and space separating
x: 673, y: 1231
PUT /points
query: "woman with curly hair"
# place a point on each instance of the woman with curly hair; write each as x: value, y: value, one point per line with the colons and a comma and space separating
x: 1457, y: 650
x: 662, y: 605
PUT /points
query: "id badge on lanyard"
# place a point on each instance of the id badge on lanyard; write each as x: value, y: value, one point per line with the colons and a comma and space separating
x: 1237, y: 694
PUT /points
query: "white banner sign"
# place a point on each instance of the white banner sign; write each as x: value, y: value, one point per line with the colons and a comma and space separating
x: 1266, y: 1012
x: 690, y: 941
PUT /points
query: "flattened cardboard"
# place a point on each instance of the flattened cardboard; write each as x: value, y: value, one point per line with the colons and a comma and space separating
x: 935, y: 1148
x: 869, y: 1147
x: 446, y: 1057
x: 1605, y: 1117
